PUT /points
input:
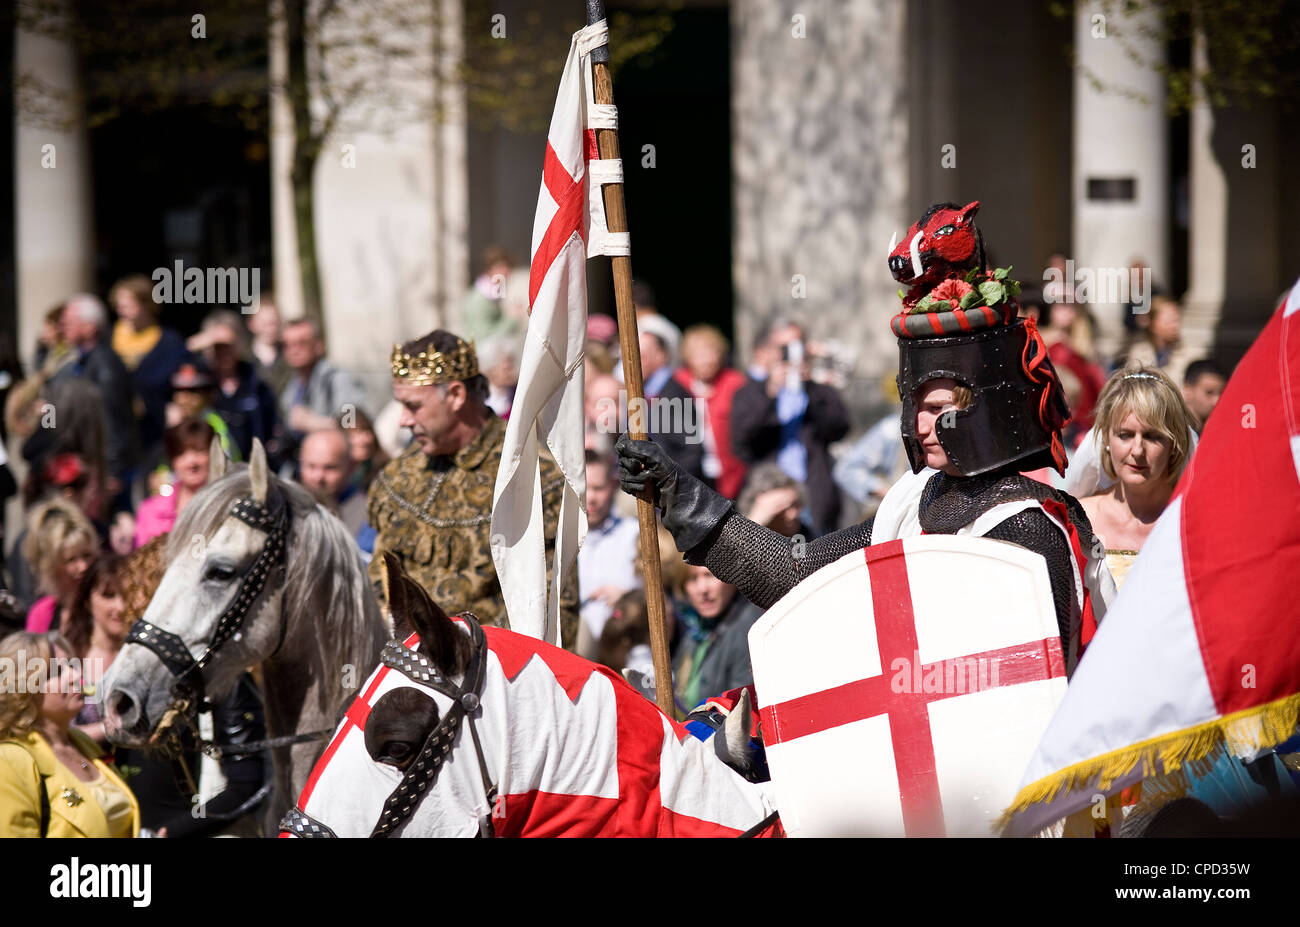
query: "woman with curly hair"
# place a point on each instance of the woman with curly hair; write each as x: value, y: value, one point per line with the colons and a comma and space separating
x: 54, y: 780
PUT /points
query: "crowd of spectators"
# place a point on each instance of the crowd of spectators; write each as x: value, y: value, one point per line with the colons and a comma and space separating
x: 117, y: 417
x: 761, y: 437
x: 115, y: 423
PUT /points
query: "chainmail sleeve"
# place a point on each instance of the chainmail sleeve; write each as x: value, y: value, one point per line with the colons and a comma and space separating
x: 1034, y: 530
x: 765, y: 565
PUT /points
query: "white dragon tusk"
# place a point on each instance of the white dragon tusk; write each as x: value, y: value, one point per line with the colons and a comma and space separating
x: 917, y: 269
x: 893, y: 242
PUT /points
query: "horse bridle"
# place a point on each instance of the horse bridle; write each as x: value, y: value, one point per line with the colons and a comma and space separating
x: 420, y: 775
x: 188, y: 688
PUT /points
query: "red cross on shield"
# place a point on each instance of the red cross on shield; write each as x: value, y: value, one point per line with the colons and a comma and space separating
x: 904, y: 688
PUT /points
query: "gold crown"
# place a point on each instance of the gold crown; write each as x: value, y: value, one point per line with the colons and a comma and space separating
x: 425, y: 369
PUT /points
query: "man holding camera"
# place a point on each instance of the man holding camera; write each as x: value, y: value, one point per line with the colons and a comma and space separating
x: 784, y: 416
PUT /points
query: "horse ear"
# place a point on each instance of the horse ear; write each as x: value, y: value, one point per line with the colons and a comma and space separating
x: 258, y: 473
x: 216, y: 460
x: 968, y: 211
x: 414, y: 611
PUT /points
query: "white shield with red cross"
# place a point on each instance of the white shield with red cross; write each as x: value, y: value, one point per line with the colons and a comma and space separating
x: 902, y: 689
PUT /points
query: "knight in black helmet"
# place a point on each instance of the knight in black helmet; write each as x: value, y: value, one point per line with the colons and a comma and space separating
x: 981, y: 404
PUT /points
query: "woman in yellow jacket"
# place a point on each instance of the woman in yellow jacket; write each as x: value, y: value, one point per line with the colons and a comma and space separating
x: 53, y: 779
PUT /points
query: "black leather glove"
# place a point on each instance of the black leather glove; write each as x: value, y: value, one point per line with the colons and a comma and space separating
x: 690, y: 509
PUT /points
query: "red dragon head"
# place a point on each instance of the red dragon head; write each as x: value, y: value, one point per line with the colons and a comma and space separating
x: 943, y: 243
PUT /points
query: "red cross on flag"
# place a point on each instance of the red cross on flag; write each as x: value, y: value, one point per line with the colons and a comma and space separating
x: 548, y: 406
x: 903, y: 688
x: 1201, y: 650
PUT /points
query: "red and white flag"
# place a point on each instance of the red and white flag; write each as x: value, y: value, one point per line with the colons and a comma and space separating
x: 548, y: 405
x: 1201, y: 650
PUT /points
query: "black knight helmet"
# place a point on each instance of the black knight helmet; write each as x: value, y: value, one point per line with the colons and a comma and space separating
x: 959, y: 323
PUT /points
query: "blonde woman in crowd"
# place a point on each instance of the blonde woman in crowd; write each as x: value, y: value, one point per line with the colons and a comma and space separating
x: 1144, y: 432
x: 60, y: 546
x: 54, y: 781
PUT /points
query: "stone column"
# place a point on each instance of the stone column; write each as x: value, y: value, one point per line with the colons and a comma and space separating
x: 54, y: 236
x: 451, y: 169
x: 820, y: 164
x: 390, y: 188
x: 1207, y: 251
x: 1121, y: 184
x: 284, y: 240
x: 1238, y: 216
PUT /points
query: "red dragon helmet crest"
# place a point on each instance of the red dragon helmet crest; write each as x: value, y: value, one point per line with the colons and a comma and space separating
x: 959, y: 322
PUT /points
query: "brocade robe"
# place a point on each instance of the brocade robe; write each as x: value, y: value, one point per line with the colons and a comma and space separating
x: 435, y: 514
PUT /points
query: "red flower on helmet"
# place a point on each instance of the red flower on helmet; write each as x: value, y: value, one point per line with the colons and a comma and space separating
x: 951, y: 290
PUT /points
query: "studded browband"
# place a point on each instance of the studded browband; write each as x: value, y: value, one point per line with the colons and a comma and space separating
x: 273, y: 520
x: 420, y: 775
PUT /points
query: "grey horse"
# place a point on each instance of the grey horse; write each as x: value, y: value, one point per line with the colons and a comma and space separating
x: 315, y: 627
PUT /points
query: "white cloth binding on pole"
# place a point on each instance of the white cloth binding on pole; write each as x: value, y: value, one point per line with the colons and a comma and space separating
x: 602, y: 115
x: 569, y: 227
x: 606, y: 170
x: 585, y: 41
x: 603, y: 171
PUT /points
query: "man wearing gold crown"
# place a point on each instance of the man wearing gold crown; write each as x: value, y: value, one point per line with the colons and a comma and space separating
x: 432, y: 506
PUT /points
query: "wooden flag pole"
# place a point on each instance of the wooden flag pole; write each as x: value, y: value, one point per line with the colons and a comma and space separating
x: 630, y: 344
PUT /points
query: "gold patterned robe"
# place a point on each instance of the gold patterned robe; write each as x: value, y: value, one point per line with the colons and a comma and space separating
x: 435, y: 514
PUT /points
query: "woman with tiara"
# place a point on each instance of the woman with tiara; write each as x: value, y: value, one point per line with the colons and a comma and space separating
x: 1143, y: 430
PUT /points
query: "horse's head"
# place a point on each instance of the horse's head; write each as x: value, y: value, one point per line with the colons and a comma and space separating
x: 944, y: 242
x: 399, y: 734
x: 248, y: 554
x: 210, y: 618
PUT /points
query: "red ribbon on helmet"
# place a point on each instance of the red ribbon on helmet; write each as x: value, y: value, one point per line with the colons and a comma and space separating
x: 1039, y: 370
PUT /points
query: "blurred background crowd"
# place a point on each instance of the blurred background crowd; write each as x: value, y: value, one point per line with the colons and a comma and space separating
x: 112, y: 420
x: 802, y: 144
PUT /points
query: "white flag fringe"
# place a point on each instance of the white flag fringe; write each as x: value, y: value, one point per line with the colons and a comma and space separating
x: 548, y: 406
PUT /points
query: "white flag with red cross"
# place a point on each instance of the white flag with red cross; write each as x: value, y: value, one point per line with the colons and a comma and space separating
x: 1200, y: 653
x: 569, y: 227
x: 902, y: 688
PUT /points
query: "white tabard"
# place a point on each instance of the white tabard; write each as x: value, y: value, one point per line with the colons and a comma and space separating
x: 899, y: 517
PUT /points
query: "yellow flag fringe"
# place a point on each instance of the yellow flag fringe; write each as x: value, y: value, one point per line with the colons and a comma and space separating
x: 1174, y: 755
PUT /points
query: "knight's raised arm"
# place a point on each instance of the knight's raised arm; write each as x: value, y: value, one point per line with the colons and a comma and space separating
x: 706, y: 527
